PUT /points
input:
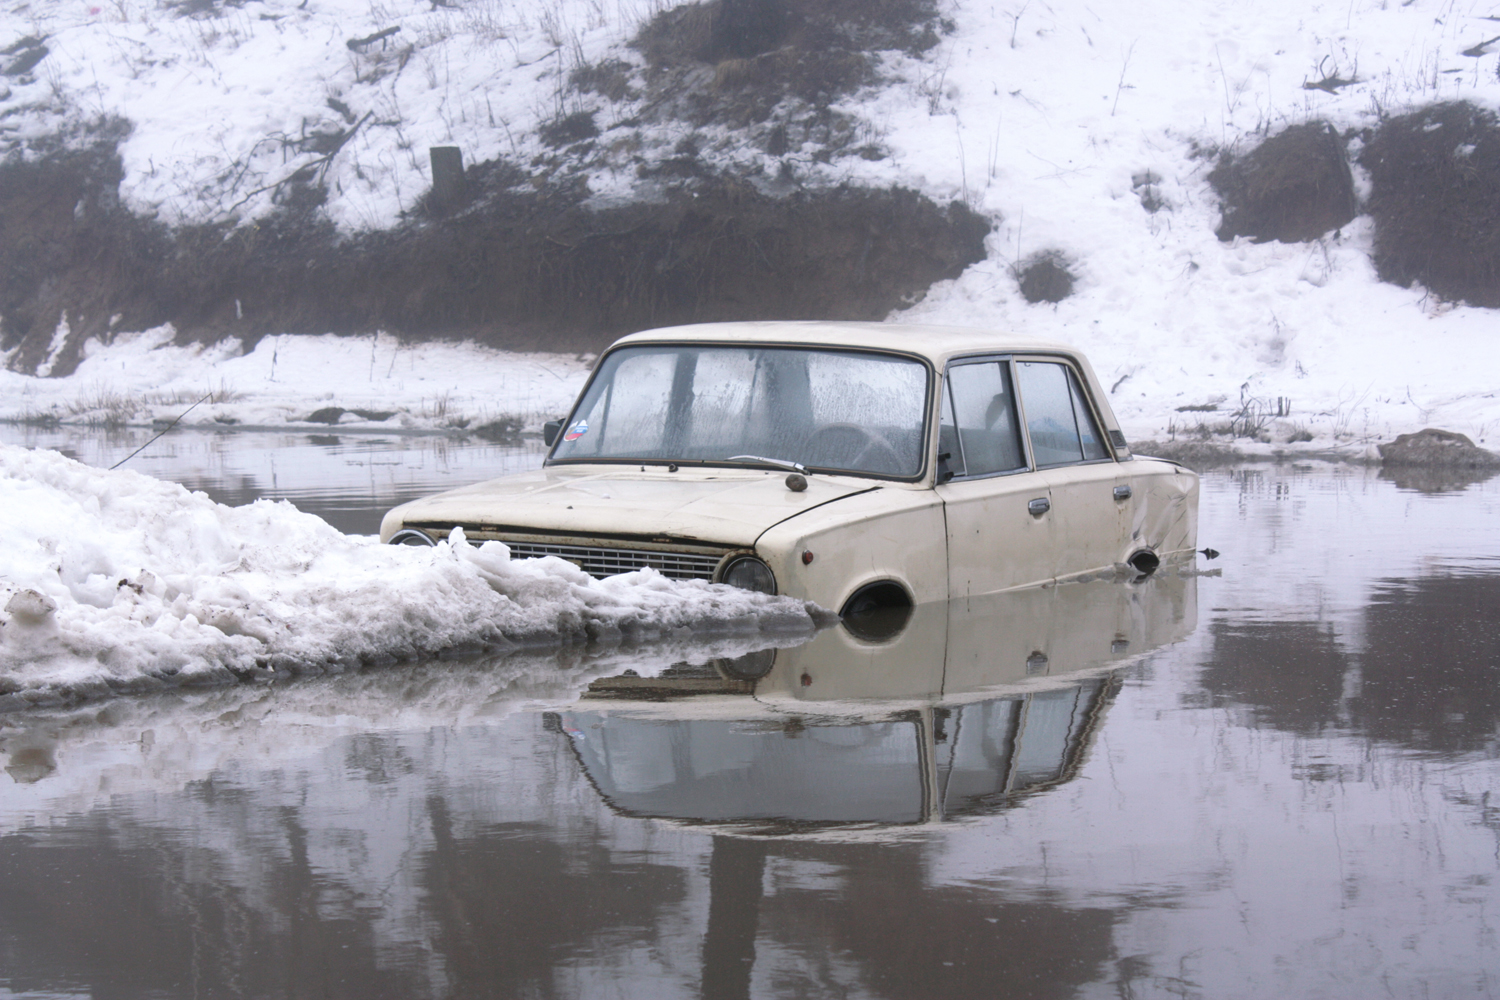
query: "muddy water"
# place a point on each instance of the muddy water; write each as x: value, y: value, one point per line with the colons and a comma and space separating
x: 1277, y: 777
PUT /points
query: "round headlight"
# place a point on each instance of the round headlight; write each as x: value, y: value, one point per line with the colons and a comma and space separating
x: 749, y: 573
x: 411, y: 536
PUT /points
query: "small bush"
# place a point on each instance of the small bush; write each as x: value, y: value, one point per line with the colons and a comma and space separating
x: 1435, y: 176
x: 1293, y: 187
x: 765, y: 51
x: 744, y: 28
x: 1045, y: 278
x: 569, y: 129
x: 609, y: 79
x: 506, y: 430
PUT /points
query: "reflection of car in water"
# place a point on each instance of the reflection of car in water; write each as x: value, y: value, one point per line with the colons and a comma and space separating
x: 854, y: 465
x: 960, y: 709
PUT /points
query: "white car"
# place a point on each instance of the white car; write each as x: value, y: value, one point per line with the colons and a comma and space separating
x: 856, y: 465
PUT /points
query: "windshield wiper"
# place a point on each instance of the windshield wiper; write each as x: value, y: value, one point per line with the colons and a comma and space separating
x: 778, y: 463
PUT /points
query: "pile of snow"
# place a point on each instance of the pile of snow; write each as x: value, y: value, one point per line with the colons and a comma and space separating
x: 143, y: 377
x: 113, y: 581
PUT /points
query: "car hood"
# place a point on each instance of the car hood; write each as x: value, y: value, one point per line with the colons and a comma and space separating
x: 725, y: 506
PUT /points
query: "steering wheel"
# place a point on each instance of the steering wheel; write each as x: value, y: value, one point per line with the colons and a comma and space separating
x: 869, y: 451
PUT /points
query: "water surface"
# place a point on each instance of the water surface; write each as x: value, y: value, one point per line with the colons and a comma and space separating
x: 1273, y: 778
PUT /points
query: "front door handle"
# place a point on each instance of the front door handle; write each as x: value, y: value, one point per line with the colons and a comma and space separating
x: 1122, y: 492
x: 1039, y: 506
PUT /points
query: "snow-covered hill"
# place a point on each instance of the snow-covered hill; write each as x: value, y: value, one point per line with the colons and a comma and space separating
x: 1050, y: 119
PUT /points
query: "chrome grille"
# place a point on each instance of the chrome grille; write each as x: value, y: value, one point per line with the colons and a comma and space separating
x: 599, y: 561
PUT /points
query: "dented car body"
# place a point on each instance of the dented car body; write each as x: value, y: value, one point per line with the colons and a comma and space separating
x: 856, y: 465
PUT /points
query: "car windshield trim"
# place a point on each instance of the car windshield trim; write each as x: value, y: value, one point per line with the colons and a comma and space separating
x: 828, y: 409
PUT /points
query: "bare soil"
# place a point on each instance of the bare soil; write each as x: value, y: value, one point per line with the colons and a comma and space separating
x: 1436, y: 201
x: 519, y: 269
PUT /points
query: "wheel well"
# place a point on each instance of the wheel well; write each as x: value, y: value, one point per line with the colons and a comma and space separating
x: 876, y: 597
x: 877, y: 612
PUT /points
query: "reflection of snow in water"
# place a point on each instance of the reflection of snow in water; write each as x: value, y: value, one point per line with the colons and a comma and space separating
x: 348, y: 479
x: 112, y: 581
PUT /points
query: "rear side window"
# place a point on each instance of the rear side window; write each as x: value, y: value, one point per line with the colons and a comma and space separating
x: 984, y: 406
x: 1058, y: 421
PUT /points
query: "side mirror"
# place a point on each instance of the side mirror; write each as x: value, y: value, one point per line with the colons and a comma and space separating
x: 550, y: 430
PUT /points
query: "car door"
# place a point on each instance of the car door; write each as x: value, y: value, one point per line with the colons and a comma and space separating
x: 1090, y: 493
x: 998, y: 511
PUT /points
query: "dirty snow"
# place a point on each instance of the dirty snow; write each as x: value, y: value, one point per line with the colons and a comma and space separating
x: 113, y: 581
x: 1043, y: 117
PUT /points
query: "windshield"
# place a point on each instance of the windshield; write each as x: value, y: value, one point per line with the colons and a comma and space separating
x: 846, y: 411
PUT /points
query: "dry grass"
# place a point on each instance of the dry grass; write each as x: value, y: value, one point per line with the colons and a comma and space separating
x: 102, y: 405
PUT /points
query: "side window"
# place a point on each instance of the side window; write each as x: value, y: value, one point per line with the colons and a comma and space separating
x: 953, y: 463
x: 985, y: 412
x: 1088, y: 431
x: 1057, y: 419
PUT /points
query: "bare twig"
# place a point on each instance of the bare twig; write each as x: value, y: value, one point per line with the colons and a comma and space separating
x: 355, y: 44
x: 320, y: 165
x: 1015, y: 23
x: 1121, y: 85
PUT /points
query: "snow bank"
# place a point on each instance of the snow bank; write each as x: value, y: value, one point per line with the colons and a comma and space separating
x: 116, y: 582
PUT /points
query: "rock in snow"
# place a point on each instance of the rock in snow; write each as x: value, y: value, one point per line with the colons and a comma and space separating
x: 117, y: 582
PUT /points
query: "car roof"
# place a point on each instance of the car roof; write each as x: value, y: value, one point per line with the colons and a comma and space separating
x: 936, y: 343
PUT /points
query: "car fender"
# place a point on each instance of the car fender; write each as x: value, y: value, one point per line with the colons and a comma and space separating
x: 890, y: 533
x: 1165, y: 514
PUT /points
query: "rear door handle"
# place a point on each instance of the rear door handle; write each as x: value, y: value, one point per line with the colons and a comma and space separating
x: 1039, y: 506
x: 1122, y: 492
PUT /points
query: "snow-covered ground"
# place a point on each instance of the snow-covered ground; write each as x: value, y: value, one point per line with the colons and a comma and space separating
x: 140, y: 378
x: 1043, y: 117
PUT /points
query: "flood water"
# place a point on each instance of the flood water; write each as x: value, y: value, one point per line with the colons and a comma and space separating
x: 1275, y: 777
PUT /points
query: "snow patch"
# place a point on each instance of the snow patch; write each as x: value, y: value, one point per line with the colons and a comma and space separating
x: 59, y: 341
x: 116, y: 582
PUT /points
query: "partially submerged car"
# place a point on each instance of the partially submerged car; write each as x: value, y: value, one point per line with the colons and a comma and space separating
x: 857, y: 465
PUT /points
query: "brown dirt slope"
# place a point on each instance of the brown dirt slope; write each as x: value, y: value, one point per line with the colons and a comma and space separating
x: 1294, y: 186
x: 514, y: 256
x: 1435, y: 176
x: 520, y: 268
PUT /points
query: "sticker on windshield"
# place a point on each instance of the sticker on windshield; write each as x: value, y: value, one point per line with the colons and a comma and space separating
x: 577, y: 431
